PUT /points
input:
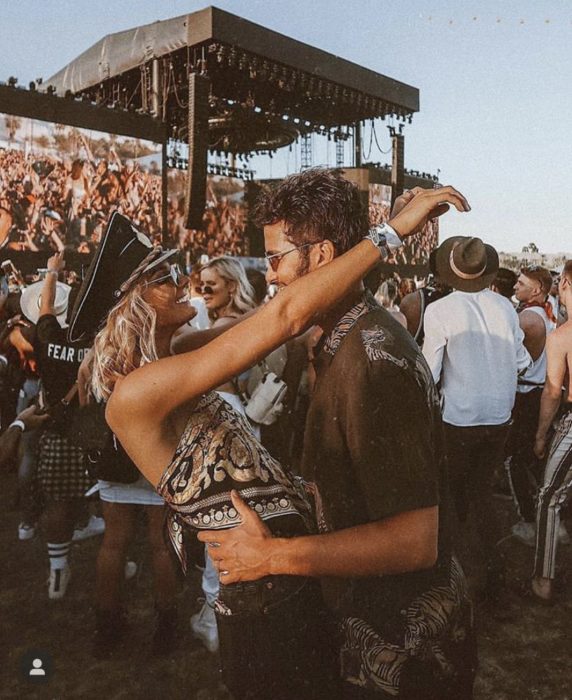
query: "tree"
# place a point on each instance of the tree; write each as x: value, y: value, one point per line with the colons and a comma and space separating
x: 533, y: 248
x: 42, y: 141
x: 12, y: 124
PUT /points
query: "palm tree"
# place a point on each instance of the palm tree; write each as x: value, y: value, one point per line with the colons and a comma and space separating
x: 12, y: 124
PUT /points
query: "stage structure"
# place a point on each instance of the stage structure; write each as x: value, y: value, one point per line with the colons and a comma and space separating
x: 226, y: 85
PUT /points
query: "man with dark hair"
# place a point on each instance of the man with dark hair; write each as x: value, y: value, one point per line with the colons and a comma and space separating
x: 373, y: 453
x: 525, y: 470
x: 504, y: 282
x: 312, y: 205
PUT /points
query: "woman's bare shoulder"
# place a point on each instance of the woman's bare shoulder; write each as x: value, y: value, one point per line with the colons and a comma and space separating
x: 129, y: 399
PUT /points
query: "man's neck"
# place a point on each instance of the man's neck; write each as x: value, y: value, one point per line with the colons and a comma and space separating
x: 328, y: 321
x: 536, y: 300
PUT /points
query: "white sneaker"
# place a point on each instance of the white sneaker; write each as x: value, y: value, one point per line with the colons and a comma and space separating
x: 26, y: 531
x: 58, y: 583
x: 95, y: 526
x: 563, y: 536
x: 525, y: 532
x: 203, y: 626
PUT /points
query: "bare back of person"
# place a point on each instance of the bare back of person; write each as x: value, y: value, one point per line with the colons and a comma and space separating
x: 560, y: 343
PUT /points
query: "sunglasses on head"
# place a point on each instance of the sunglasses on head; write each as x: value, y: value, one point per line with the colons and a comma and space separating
x: 175, y: 276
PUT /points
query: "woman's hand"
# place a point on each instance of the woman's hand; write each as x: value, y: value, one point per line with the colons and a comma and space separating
x: 414, y: 208
x: 242, y: 553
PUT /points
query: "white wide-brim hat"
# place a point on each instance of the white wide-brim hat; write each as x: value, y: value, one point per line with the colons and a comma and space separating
x: 31, y: 302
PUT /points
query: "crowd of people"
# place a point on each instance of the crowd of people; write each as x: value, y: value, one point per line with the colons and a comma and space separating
x: 508, y: 424
x: 326, y: 448
x: 224, y: 230
x: 51, y: 204
x: 414, y: 251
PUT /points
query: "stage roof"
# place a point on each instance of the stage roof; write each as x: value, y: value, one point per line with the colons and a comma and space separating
x: 120, y: 52
x: 250, y: 69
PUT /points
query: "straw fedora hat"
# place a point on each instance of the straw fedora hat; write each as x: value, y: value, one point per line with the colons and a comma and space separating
x: 466, y: 263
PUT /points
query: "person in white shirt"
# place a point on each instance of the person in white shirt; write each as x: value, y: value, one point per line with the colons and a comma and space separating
x: 474, y: 348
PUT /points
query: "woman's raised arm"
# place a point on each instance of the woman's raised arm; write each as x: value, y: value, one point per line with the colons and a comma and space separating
x: 155, y: 390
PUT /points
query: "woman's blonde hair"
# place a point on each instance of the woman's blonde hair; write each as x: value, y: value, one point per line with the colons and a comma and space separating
x: 127, y: 341
x: 232, y: 270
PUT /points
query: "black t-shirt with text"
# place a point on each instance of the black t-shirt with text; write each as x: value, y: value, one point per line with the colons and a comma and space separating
x: 58, y: 360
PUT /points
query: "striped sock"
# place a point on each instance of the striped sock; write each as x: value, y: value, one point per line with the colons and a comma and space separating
x: 58, y: 553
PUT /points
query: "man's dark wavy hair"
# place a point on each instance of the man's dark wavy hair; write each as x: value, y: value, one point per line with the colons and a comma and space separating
x: 315, y: 205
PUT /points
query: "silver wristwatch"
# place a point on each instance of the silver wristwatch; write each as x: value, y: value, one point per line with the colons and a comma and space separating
x: 385, y: 239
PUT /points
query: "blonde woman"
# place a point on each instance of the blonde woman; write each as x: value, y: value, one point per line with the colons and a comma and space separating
x: 226, y: 289
x: 228, y: 295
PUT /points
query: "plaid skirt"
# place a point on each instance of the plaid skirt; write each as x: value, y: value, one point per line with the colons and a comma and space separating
x: 61, y: 474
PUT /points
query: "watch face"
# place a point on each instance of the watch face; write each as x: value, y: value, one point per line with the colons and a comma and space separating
x: 379, y: 235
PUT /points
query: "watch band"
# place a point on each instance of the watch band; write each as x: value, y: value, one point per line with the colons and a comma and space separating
x: 18, y: 424
x: 385, y: 239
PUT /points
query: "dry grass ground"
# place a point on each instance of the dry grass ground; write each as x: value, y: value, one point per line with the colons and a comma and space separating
x: 524, y: 647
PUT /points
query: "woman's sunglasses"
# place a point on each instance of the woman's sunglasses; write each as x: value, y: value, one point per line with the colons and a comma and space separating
x: 175, y: 276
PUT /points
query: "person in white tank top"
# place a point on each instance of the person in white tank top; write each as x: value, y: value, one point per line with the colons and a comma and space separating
x: 536, y: 373
x: 524, y: 469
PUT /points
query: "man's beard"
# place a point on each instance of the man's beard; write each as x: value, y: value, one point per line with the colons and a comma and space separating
x: 303, y: 264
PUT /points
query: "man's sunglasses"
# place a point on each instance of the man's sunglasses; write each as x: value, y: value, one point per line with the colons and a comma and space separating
x: 275, y: 259
x: 175, y: 276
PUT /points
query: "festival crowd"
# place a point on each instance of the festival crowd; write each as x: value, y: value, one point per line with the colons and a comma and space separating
x: 318, y: 452
x: 413, y: 251
x: 224, y: 227
x: 52, y: 204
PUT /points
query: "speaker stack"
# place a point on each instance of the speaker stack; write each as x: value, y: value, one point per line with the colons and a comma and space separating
x: 198, y: 150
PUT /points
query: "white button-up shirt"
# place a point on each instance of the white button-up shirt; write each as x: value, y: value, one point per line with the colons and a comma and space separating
x: 474, y: 347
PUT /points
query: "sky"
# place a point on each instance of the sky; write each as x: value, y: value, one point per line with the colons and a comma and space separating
x: 494, y: 78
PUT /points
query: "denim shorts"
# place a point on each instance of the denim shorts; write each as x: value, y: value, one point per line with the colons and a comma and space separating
x: 277, y: 640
